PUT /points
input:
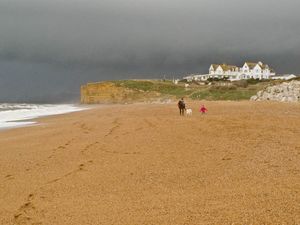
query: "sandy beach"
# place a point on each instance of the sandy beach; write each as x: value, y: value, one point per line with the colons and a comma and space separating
x: 144, y: 164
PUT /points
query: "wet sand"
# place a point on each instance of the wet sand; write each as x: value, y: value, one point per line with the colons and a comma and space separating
x: 144, y: 164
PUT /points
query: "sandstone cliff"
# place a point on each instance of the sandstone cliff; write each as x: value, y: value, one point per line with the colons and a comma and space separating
x: 92, y: 93
x: 113, y: 92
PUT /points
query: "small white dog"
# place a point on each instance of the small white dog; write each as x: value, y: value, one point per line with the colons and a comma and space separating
x: 189, y: 112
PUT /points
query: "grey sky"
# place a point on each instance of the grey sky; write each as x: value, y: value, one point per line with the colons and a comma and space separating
x: 54, y: 46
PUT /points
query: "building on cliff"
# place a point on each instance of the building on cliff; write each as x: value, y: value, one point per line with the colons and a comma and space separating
x: 249, y: 70
x: 284, y: 77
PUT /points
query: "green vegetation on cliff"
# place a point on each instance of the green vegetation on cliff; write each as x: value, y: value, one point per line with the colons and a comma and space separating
x: 164, y: 88
x: 229, y: 91
x: 223, y: 94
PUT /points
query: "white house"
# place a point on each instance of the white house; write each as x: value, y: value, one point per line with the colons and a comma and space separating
x: 256, y: 71
x: 196, y: 77
x: 247, y: 71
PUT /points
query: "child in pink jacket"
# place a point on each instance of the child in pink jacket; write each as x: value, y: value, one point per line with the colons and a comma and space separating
x: 203, y: 109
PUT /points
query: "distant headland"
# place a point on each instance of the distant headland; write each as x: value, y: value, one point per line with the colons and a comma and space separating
x: 130, y: 91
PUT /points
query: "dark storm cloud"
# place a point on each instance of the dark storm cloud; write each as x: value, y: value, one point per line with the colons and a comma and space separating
x: 63, y: 43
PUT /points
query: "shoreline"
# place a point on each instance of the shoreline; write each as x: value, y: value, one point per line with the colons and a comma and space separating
x: 35, y: 121
x: 31, y: 119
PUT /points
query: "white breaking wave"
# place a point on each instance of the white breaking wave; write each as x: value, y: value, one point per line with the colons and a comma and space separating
x: 14, y: 115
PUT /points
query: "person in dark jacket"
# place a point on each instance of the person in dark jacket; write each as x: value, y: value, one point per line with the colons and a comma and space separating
x: 181, y: 106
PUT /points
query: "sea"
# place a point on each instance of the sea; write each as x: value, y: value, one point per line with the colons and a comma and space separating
x: 14, y: 115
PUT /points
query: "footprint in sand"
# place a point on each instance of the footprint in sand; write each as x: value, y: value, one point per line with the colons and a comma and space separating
x: 226, y: 158
x: 89, y: 146
x: 30, y: 196
x: 120, y: 153
x: 85, y: 129
x: 116, y: 124
x: 138, y: 129
x: 61, y: 147
x: 81, y: 166
x: 150, y: 124
x: 9, y: 177
x: 26, y: 212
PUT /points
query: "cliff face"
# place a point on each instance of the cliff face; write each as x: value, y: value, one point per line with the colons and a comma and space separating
x: 103, y: 92
x: 109, y: 92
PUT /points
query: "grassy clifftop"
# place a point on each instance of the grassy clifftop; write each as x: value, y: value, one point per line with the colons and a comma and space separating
x: 159, y: 87
x: 126, y: 91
